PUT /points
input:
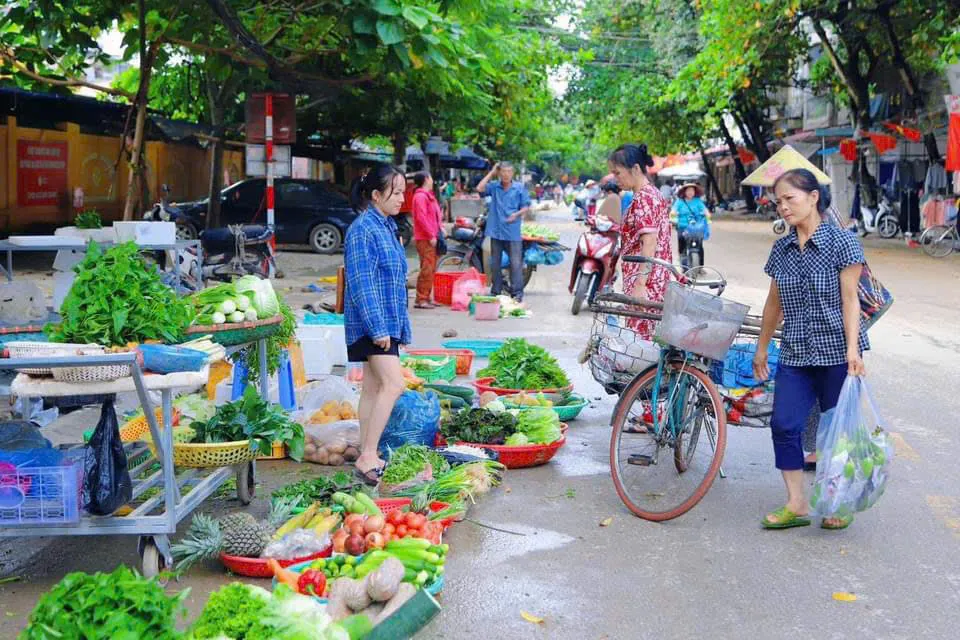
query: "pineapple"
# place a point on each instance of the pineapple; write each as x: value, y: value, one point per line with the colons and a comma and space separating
x: 236, y: 520
x: 203, y: 541
x: 247, y: 541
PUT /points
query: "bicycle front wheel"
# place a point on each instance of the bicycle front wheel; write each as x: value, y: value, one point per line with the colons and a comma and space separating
x: 937, y: 242
x: 664, y: 459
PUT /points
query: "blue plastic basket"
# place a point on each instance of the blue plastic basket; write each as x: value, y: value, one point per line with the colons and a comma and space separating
x: 166, y: 359
x: 432, y: 588
x: 483, y: 348
x: 40, y: 495
x: 37, y: 336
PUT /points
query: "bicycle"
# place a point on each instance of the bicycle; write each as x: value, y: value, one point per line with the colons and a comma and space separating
x: 940, y: 241
x: 670, y: 404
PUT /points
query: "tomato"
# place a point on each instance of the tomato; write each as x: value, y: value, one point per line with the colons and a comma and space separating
x: 416, y: 520
x: 395, y: 518
x: 388, y: 529
x: 410, y: 518
x: 402, y: 531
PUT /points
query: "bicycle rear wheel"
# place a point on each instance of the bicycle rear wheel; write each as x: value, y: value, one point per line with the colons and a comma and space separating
x: 937, y: 241
x: 662, y: 475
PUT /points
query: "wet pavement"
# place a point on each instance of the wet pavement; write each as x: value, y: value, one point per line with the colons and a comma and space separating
x: 536, y: 544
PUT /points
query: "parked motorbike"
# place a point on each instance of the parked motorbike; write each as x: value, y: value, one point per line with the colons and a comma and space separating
x: 465, y: 250
x: 236, y: 251
x: 594, y: 261
x: 163, y: 211
x: 883, y: 220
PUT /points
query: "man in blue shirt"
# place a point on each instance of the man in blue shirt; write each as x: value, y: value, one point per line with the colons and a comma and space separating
x: 509, y: 200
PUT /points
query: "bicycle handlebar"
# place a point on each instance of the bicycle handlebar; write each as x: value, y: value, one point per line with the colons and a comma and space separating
x: 720, y: 284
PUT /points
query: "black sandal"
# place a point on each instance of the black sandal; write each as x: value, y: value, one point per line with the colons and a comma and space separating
x: 371, y: 477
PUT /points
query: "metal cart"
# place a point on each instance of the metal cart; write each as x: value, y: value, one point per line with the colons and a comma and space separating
x: 179, y: 497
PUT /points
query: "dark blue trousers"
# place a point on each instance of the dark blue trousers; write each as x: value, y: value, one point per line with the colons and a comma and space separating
x: 797, y: 388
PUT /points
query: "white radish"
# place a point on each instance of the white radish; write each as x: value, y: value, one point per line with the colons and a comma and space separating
x: 218, y: 318
x: 227, y: 307
x: 236, y: 316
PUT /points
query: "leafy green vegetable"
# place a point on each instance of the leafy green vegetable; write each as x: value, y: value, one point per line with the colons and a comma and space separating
x: 480, y: 426
x: 89, y: 219
x: 275, y: 344
x: 411, y: 459
x: 319, y: 489
x: 539, y: 425
x: 235, y: 611
x: 517, y: 440
x: 252, y: 418
x: 117, y: 299
x: 521, y: 365
x: 106, y: 606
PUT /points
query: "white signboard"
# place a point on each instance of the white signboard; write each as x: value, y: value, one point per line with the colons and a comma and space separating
x: 257, y: 161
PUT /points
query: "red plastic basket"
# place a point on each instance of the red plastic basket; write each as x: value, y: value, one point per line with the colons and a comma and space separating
x: 532, y: 455
x: 257, y: 567
x: 485, y: 384
x: 440, y: 441
x: 464, y: 357
x: 443, y: 286
x: 395, y: 504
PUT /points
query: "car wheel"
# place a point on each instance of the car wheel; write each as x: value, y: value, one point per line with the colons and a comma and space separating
x: 325, y: 238
x: 186, y: 231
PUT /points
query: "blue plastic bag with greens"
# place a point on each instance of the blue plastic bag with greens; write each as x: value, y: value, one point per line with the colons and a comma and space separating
x: 853, y: 454
x: 415, y: 419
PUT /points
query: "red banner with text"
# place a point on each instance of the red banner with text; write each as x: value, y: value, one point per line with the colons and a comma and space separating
x: 41, y: 173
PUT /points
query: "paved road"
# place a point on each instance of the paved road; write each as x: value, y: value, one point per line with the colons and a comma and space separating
x: 712, y: 572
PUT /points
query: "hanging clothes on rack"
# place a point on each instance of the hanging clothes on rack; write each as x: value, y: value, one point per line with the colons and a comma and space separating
x: 934, y: 212
x: 936, y: 181
x: 910, y: 210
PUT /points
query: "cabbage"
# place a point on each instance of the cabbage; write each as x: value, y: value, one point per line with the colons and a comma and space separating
x: 260, y: 292
x: 517, y: 440
x: 541, y: 426
x: 292, y: 616
x: 250, y: 315
x: 496, y: 406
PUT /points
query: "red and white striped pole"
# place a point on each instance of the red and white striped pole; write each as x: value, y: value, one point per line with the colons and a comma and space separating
x: 268, y: 135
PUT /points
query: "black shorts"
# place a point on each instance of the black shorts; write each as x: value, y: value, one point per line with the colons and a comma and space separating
x: 362, y: 349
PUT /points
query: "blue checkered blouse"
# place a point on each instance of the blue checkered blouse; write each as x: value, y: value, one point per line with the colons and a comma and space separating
x: 809, y: 286
x: 375, y: 303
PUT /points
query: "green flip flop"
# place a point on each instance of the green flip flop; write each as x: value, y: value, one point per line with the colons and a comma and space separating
x: 786, y: 519
x: 844, y: 522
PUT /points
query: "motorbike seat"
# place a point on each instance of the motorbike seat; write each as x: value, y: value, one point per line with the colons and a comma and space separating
x: 223, y: 238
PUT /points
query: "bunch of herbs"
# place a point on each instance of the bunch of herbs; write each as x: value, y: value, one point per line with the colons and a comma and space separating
x: 117, y: 299
x: 479, y: 426
x: 89, y: 219
x: 251, y: 418
x: 319, y: 489
x: 521, y: 365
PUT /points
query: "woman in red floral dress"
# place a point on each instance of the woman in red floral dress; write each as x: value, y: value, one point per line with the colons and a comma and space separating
x: 645, y: 230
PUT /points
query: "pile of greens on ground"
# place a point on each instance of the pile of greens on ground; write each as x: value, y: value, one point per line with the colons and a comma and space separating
x: 103, y: 606
x: 319, y: 489
x: 117, y: 299
x: 251, y: 418
x: 479, y: 426
x: 411, y: 459
x: 521, y: 365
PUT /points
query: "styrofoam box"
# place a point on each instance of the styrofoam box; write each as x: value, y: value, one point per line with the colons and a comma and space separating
x: 323, y: 346
x: 106, y: 234
x: 143, y: 232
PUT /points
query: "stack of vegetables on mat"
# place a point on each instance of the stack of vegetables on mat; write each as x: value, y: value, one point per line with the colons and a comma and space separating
x: 251, y: 418
x: 280, y: 536
x: 319, y: 489
x: 117, y: 299
x: 366, y: 527
x: 411, y: 465
x: 247, y: 300
x: 521, y: 365
x: 462, y: 482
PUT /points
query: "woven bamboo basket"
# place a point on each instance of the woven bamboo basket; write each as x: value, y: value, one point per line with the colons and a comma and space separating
x: 138, y: 428
x: 199, y: 456
x: 232, y: 334
x: 84, y: 375
x: 29, y: 349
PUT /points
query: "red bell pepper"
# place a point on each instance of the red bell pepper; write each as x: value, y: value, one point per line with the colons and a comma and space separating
x: 312, y: 582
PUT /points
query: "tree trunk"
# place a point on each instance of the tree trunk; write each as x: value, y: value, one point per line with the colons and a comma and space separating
x: 426, y: 158
x: 136, y: 179
x: 741, y: 172
x: 216, y: 157
x: 711, y: 178
x: 754, y: 122
x: 399, y: 139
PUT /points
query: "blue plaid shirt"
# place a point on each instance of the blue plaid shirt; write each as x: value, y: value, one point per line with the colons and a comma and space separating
x: 809, y: 286
x: 375, y: 302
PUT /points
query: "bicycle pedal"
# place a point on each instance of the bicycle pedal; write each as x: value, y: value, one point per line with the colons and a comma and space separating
x: 640, y: 460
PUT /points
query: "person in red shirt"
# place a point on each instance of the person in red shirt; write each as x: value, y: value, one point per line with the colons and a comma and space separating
x: 427, y: 219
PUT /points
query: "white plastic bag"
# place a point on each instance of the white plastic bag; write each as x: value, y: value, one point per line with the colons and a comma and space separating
x: 853, y: 454
x: 327, y: 388
x: 333, y: 444
x: 22, y: 303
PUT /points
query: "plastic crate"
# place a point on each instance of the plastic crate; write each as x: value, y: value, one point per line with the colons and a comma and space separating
x: 279, y: 452
x: 464, y: 357
x: 448, y: 371
x: 482, y: 348
x: 443, y: 286
x: 40, y: 495
x: 487, y: 311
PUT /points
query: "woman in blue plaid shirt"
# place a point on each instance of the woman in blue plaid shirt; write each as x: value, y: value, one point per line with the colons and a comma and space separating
x: 814, y: 271
x: 375, y: 306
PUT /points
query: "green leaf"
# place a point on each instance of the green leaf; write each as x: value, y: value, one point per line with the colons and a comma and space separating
x: 386, y: 7
x: 363, y: 23
x: 390, y: 31
x: 417, y: 16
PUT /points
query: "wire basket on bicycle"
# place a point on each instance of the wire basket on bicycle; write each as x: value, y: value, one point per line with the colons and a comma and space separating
x: 699, y: 322
x: 616, y: 353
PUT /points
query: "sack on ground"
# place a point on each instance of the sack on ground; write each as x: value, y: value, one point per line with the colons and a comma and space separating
x: 853, y: 454
x: 106, y: 483
x: 414, y: 420
x: 333, y: 444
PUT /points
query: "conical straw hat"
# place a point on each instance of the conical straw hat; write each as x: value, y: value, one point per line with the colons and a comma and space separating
x: 779, y: 163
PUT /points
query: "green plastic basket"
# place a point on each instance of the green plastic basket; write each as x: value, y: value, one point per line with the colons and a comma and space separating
x: 446, y: 372
x: 566, y: 412
x: 231, y: 335
x: 483, y: 348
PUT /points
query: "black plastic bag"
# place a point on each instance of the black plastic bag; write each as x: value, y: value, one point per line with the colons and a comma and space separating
x: 106, y: 482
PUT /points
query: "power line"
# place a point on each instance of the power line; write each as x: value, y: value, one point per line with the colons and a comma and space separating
x: 602, y: 34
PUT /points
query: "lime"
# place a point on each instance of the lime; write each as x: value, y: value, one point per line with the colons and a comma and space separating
x: 849, y: 470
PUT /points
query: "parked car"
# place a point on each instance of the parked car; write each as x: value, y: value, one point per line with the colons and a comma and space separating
x: 307, y: 212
